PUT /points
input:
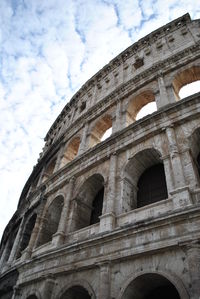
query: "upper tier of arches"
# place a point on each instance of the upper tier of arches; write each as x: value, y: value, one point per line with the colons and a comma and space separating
x: 95, y: 114
x: 132, y: 68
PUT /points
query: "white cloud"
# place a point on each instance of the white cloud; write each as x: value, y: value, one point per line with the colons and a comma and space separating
x: 48, y: 50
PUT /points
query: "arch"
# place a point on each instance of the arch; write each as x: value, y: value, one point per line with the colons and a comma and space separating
x: 76, y: 292
x: 99, y: 129
x: 10, y: 240
x: 51, y: 221
x: 195, y: 148
x: 89, y: 202
x: 33, y: 293
x: 71, y: 151
x: 26, y: 234
x: 138, y: 180
x: 185, y: 77
x: 49, y: 169
x: 144, y: 283
x: 81, y: 284
x: 137, y: 103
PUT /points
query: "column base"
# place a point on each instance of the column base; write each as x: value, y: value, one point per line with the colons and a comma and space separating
x: 181, y: 197
x: 107, y: 222
x: 58, y: 239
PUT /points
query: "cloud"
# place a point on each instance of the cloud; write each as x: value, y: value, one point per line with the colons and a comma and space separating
x: 48, y: 50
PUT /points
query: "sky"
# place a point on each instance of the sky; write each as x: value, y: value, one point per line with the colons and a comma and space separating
x: 48, y: 49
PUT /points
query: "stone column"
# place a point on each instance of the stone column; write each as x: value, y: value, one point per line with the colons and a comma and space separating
x: 104, y: 281
x: 16, y: 243
x: 48, y: 288
x: 190, y: 169
x: 58, y: 237
x: 168, y: 173
x: 59, y: 158
x: 107, y: 220
x: 117, y: 119
x: 83, y: 143
x: 177, y: 168
x: 3, y: 256
x: 72, y: 115
x: 181, y: 194
x: 193, y: 257
x: 16, y: 293
x: 163, y: 99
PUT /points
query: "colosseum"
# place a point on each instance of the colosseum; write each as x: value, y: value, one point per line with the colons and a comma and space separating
x: 116, y: 218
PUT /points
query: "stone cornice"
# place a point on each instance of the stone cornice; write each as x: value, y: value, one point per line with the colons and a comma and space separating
x: 121, y: 59
x: 120, y: 233
x: 148, y: 75
x: 63, y: 175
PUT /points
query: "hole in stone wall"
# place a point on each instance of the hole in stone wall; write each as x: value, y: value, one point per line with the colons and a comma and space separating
x: 143, y: 181
x: 106, y: 134
x: 71, y: 151
x: 152, y: 186
x: 97, y: 206
x: 147, y: 109
x: 76, y: 292
x: 51, y: 221
x: 49, y: 170
x: 101, y: 127
x: 189, y: 89
x: 151, y: 286
x: 32, y: 297
x: 139, y: 106
x: 195, y: 149
x: 26, y: 234
x: 184, y: 79
x: 11, y: 240
x: 89, y: 202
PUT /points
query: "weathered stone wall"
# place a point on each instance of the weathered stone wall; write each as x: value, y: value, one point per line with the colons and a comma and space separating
x: 133, y: 249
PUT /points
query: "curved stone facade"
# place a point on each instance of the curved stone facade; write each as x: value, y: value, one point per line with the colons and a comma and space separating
x: 118, y: 218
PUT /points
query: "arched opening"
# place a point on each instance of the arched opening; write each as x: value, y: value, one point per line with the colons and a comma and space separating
x: 51, y: 221
x: 146, y: 110
x: 76, y: 292
x: 151, y: 286
x: 8, y: 282
x: 195, y: 149
x: 89, y: 202
x: 10, y: 241
x: 151, y: 186
x: 101, y: 127
x: 144, y: 180
x: 184, y: 78
x: 71, y: 151
x: 27, y: 234
x: 49, y: 170
x: 106, y: 134
x: 97, y: 206
x: 32, y: 297
x: 189, y: 89
x: 140, y: 106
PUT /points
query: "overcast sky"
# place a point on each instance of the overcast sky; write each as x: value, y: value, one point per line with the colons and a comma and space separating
x: 48, y: 49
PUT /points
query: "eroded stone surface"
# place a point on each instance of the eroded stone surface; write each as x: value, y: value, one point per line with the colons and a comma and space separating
x: 55, y: 246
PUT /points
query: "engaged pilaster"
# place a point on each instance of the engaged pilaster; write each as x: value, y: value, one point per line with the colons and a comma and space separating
x: 83, y: 143
x: 162, y: 99
x: 181, y: 194
x: 107, y: 220
x: 193, y: 256
x: 105, y: 281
